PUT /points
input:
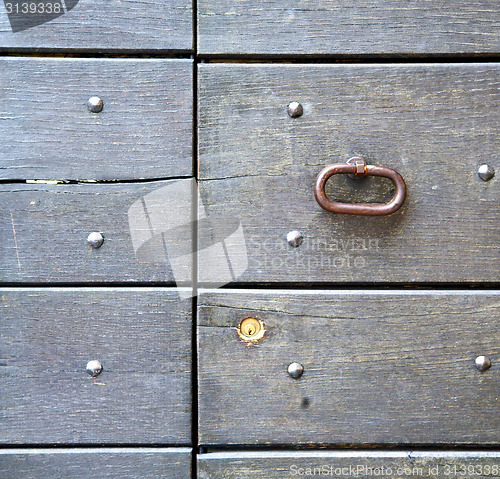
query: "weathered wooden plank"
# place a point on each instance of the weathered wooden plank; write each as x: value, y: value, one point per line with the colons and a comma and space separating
x: 107, y: 463
x: 44, y: 230
x: 151, y: 25
x: 364, y: 464
x: 433, y: 123
x: 356, y: 27
x: 380, y: 367
x: 142, y: 338
x: 143, y: 131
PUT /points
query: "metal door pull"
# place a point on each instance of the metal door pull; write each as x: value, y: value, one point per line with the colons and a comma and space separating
x: 357, y: 168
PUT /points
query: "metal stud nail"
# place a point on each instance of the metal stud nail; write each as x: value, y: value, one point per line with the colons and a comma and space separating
x: 95, y: 239
x: 295, y: 238
x: 485, y: 172
x: 483, y: 363
x: 295, y: 109
x: 95, y: 104
x: 94, y: 368
x: 295, y: 370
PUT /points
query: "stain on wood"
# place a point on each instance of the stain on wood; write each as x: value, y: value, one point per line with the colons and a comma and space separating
x: 433, y: 123
x: 142, y: 338
x: 381, y: 367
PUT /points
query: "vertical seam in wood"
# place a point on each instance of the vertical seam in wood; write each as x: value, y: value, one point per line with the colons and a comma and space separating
x: 194, y: 315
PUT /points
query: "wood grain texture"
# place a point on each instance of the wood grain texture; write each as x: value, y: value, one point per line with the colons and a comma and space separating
x: 345, y: 464
x: 433, y: 123
x: 357, y: 27
x: 44, y: 229
x: 142, y: 338
x: 129, y: 25
x: 380, y: 367
x: 143, y: 131
x: 107, y: 463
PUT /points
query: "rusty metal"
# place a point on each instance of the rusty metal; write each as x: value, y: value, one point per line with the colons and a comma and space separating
x: 358, y: 168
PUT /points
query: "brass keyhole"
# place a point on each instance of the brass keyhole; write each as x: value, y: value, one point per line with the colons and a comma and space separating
x: 251, y: 329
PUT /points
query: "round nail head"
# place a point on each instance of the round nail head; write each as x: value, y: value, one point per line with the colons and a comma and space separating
x: 94, y: 368
x: 483, y: 363
x: 485, y: 172
x: 95, y: 239
x: 95, y: 104
x: 295, y: 370
x: 295, y: 109
x: 295, y: 238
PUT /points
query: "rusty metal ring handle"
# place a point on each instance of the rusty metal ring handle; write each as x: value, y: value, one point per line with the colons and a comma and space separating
x: 357, y: 168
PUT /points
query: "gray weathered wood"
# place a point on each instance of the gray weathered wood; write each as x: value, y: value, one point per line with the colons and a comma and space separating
x: 107, y: 463
x: 142, y: 338
x: 355, y: 27
x: 132, y: 25
x: 433, y: 123
x: 346, y: 464
x: 48, y: 132
x: 380, y: 367
x: 44, y: 229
